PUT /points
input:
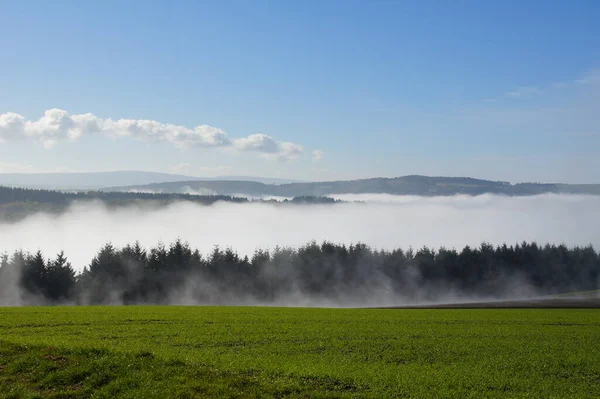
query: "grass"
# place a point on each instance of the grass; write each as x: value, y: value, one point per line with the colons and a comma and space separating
x: 186, y: 352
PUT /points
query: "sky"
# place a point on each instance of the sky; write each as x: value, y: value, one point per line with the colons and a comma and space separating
x: 310, y: 90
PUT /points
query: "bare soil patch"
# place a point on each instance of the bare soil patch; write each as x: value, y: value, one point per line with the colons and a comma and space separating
x: 544, y: 303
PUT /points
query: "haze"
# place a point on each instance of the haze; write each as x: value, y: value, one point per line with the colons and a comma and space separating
x: 383, y: 221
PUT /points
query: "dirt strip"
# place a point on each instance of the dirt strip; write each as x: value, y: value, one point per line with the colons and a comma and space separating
x: 550, y: 303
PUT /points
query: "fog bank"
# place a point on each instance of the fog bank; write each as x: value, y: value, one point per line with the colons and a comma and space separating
x: 382, y: 221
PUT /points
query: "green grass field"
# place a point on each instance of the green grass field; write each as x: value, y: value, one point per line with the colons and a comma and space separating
x: 163, y: 352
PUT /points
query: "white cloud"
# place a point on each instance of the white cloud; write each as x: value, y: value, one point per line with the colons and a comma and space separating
x: 58, y: 125
x: 180, y: 136
x: 269, y: 148
x: 317, y: 155
x: 12, y: 126
x: 286, y: 152
x: 256, y: 142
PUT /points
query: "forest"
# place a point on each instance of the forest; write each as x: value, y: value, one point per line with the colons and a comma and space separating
x: 10, y: 195
x: 328, y: 273
x: 18, y: 203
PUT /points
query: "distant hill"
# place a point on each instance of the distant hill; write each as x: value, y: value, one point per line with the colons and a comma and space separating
x: 265, y: 180
x: 96, y: 180
x: 406, y: 185
x: 123, y: 181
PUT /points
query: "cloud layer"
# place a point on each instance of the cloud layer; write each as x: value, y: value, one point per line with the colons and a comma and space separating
x: 381, y: 221
x: 58, y: 125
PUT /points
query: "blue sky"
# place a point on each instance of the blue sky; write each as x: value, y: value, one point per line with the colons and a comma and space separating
x: 314, y: 90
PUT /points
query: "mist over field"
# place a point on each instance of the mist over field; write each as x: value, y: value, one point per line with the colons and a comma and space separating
x: 382, y: 221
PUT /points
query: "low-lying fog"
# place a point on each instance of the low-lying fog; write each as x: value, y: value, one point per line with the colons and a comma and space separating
x: 383, y: 221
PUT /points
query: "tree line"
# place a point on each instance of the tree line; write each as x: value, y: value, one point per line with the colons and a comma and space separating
x: 18, y: 203
x: 9, y: 195
x: 334, y: 273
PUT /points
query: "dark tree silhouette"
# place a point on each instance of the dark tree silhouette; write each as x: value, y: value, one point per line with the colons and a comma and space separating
x: 355, y: 274
x: 34, y: 275
x: 60, y: 279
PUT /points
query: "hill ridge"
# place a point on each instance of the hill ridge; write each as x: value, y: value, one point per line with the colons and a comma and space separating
x: 402, y: 185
